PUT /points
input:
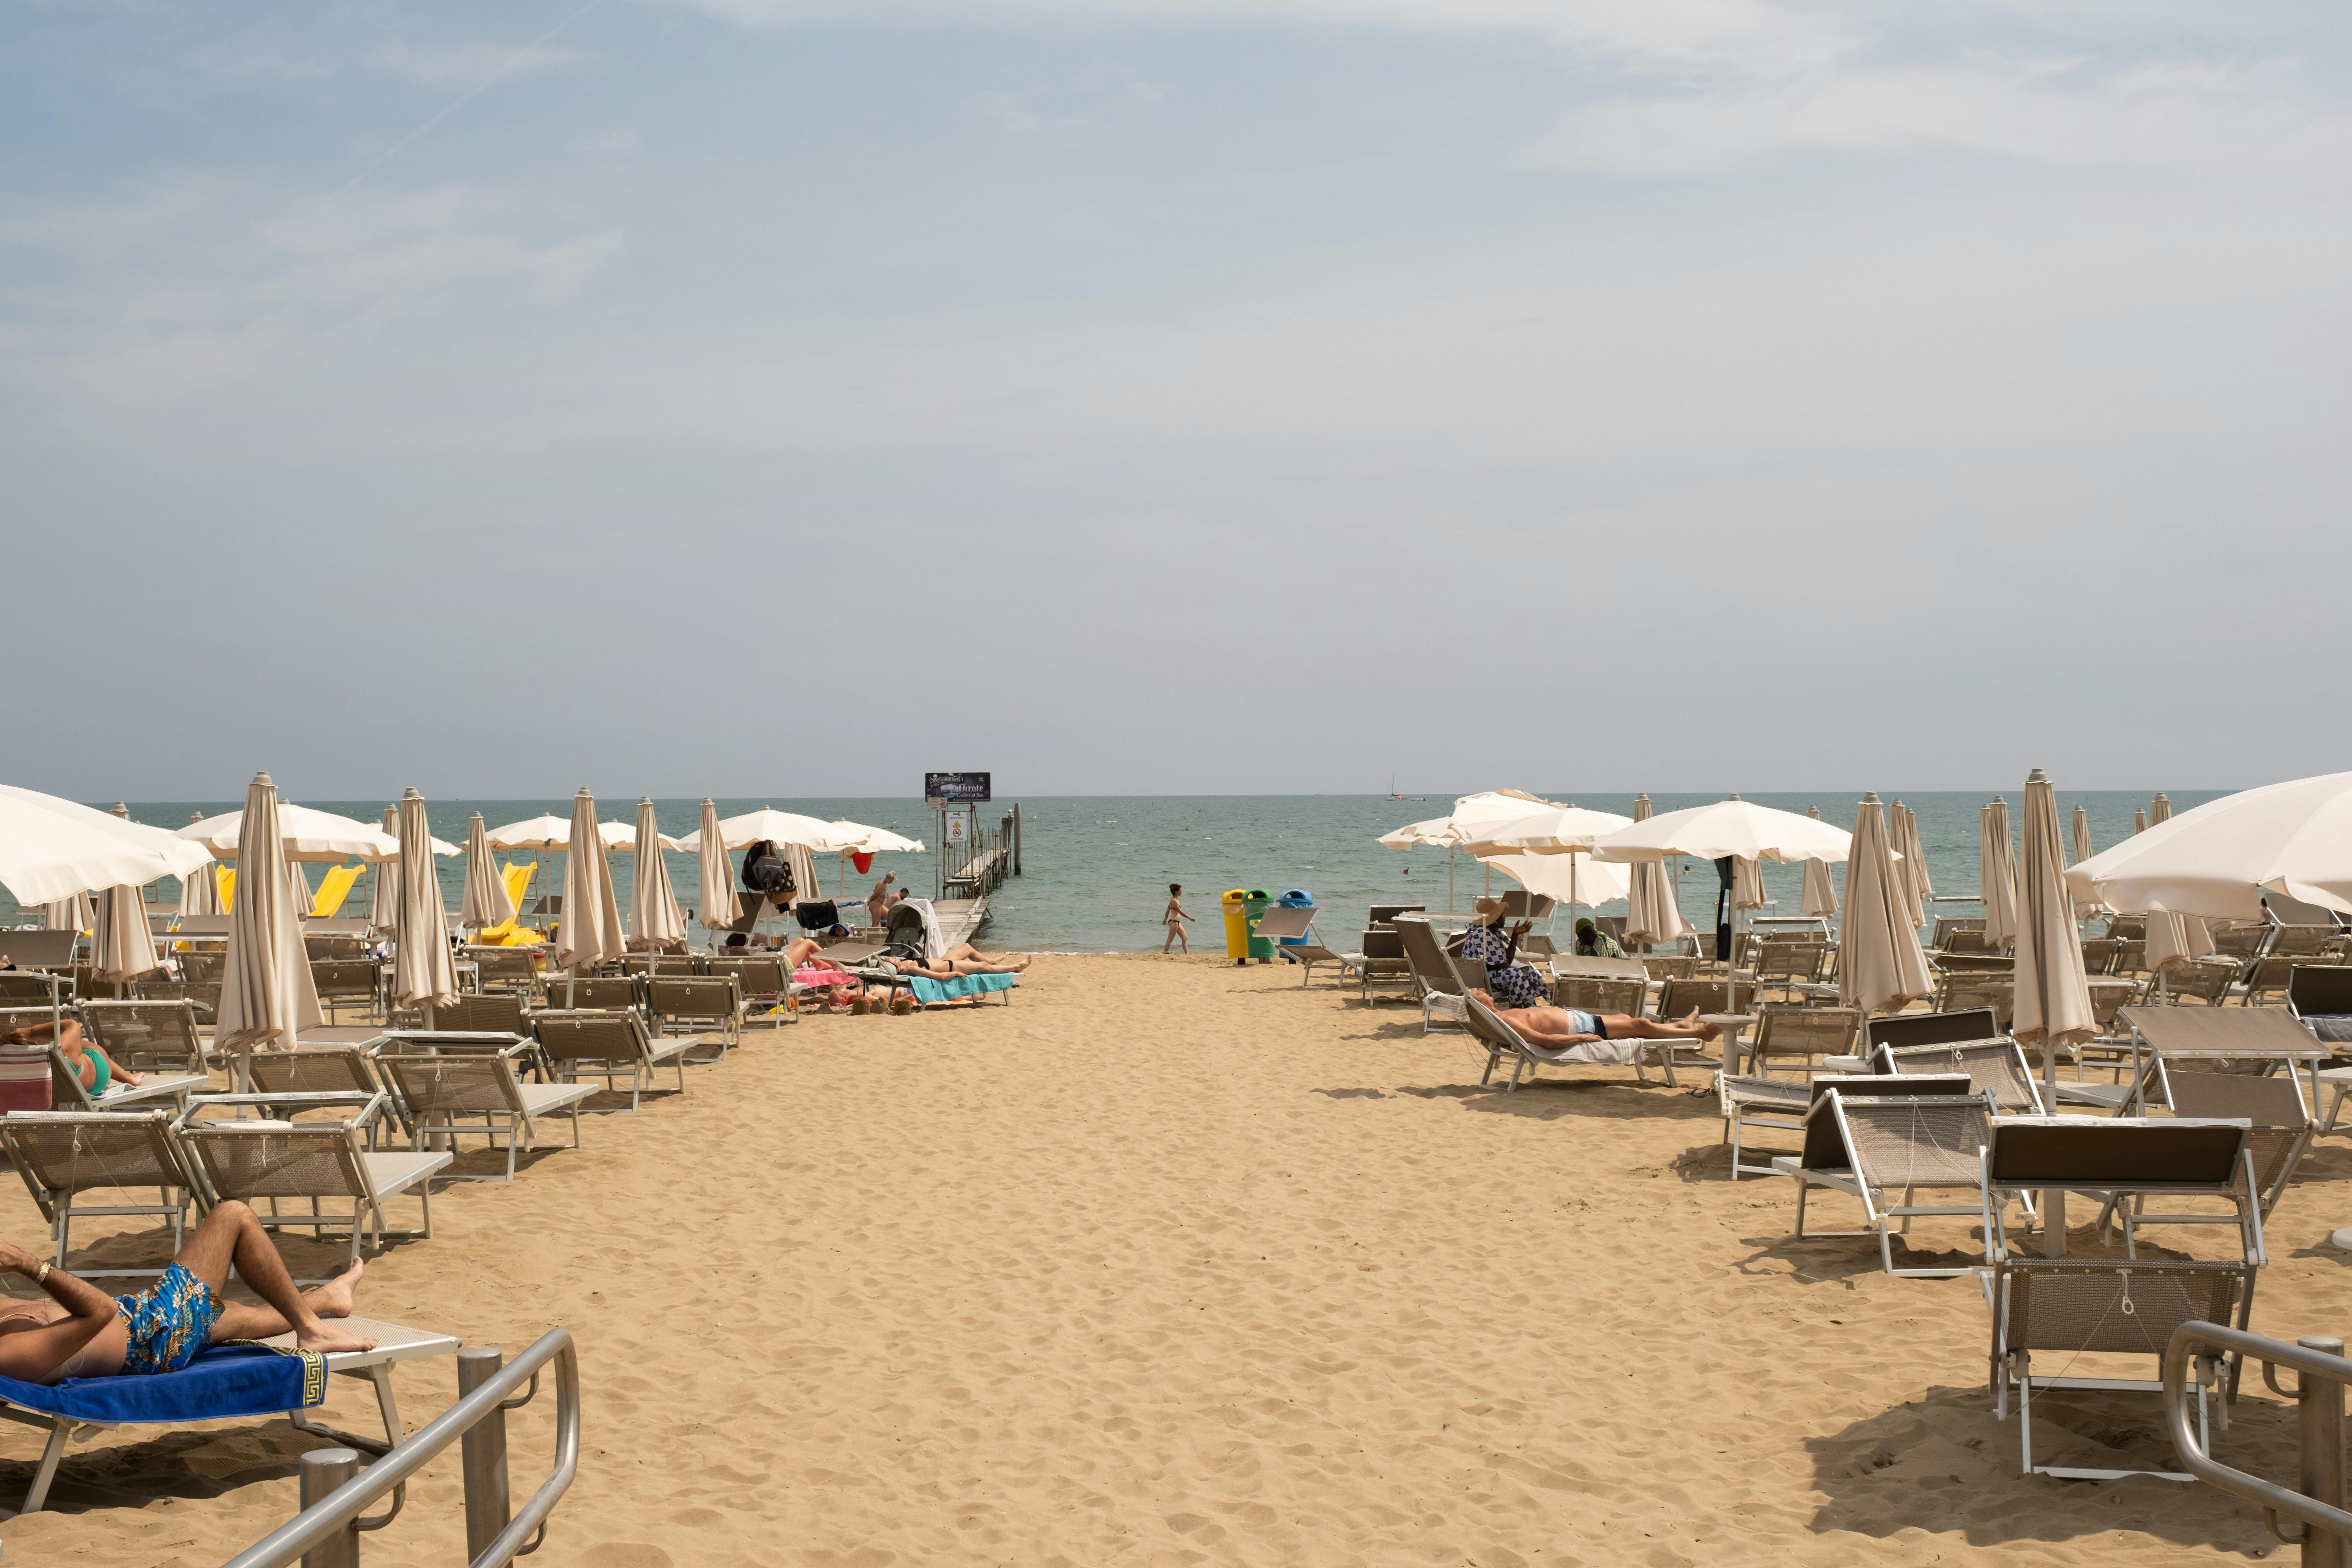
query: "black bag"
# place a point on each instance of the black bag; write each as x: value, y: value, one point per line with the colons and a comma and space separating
x: 815, y: 916
x: 771, y: 876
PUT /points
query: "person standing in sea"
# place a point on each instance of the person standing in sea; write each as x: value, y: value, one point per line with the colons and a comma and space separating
x: 1174, y: 917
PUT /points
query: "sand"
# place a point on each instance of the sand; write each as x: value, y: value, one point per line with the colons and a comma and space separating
x: 1171, y: 1263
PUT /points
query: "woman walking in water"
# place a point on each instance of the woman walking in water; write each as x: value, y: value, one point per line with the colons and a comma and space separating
x: 1174, y: 917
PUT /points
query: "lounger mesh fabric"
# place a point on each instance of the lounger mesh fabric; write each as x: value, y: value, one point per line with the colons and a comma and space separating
x: 256, y: 1160
x: 461, y: 1086
x: 146, y: 1036
x: 2097, y: 1308
x: 1993, y: 1066
x: 88, y: 1153
x: 1897, y: 1144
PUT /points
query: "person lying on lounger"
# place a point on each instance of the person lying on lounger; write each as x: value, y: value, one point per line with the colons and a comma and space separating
x: 962, y: 959
x: 1555, y: 1029
x: 82, y: 1331
x: 87, y: 1059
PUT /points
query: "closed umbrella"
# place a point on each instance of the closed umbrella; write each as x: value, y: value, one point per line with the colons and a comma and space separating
x: 266, y: 998
x: 487, y: 902
x: 200, y: 888
x: 2159, y: 809
x: 715, y: 902
x: 74, y: 914
x: 2053, y: 999
x: 654, y: 918
x: 299, y: 886
x: 121, y: 945
x: 2139, y: 821
x: 424, y: 974
x: 1651, y: 913
x: 1819, y: 897
x: 384, y: 883
x: 1903, y: 833
x: 1997, y: 873
x: 2084, y: 908
x: 1747, y: 884
x: 1880, y: 966
x: 590, y: 931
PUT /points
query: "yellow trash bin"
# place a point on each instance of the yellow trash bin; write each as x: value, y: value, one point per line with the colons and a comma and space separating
x: 1237, y: 925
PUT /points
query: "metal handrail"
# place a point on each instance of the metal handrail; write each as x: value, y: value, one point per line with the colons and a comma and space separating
x: 2323, y: 1431
x: 336, y: 1512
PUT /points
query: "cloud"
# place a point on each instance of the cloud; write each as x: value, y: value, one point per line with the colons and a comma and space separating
x: 462, y: 67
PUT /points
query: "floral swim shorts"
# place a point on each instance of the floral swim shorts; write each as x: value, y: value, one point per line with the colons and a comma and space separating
x: 167, y: 1323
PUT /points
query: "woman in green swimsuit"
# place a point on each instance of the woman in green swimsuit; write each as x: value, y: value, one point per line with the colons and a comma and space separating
x: 88, y: 1059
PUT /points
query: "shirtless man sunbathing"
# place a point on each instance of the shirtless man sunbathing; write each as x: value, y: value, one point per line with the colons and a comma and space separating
x: 1554, y: 1029
x: 82, y: 1331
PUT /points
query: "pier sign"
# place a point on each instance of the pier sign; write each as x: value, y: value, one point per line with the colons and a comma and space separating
x: 942, y: 791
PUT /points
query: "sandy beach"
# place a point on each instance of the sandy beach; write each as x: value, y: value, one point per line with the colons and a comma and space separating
x: 1171, y: 1263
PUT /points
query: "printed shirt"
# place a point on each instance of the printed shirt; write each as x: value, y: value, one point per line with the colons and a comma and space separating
x: 1512, y: 985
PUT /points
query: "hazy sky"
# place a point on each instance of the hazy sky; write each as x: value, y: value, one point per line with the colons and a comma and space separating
x: 760, y: 396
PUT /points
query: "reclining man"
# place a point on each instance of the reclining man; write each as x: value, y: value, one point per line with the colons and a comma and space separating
x: 1555, y: 1029
x: 82, y: 1332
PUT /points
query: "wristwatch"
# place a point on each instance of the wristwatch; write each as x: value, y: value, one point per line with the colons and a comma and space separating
x: 43, y: 1275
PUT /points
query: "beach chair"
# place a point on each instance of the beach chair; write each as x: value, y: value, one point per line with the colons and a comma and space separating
x: 224, y: 1382
x: 1779, y: 1105
x: 1874, y: 1137
x: 147, y: 1037
x: 1678, y: 998
x: 1995, y: 1068
x: 2265, y: 979
x: 1958, y: 991
x: 2207, y: 981
x: 201, y: 966
x: 503, y: 969
x: 344, y: 982
x: 445, y: 1093
x: 1946, y: 924
x: 2126, y: 1306
x: 2129, y: 928
x: 1670, y: 965
x: 63, y: 1156
x: 600, y: 993
x: 1380, y: 961
x: 496, y: 1013
x: 766, y: 989
x: 1629, y: 995
x: 2275, y: 1112
x: 339, y: 1069
x: 1787, y: 964
x: 2304, y: 940
x: 66, y: 1093
x: 2255, y: 1040
x: 697, y: 1005
x: 2099, y: 955
x: 606, y: 1046
x: 1500, y: 1040
x: 2131, y: 957
x: 2319, y: 997
x: 1434, y: 973
x: 202, y: 997
x: 268, y: 1161
x: 1295, y: 939
x: 2240, y: 940
x: 1804, y: 1034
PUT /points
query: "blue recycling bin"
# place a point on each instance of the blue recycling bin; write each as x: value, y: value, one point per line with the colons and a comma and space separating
x: 1295, y: 899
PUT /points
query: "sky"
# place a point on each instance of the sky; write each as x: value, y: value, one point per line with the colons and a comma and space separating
x: 781, y: 396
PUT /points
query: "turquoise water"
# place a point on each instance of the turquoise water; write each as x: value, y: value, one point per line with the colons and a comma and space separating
x: 1097, y: 868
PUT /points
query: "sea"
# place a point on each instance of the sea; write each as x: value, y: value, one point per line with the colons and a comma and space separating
x: 1094, y: 870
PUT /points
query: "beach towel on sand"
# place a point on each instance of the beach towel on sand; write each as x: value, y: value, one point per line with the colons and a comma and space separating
x: 232, y: 1379
x: 930, y: 991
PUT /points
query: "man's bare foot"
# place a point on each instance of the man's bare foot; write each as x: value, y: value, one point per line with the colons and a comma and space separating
x: 1690, y: 1020
x: 334, y: 1299
x: 327, y: 1340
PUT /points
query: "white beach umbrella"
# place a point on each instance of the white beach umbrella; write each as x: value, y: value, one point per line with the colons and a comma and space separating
x: 299, y: 886
x: 1748, y: 883
x: 2139, y: 821
x: 1820, y: 898
x: 384, y: 883
x: 122, y: 944
x: 1922, y: 885
x: 2053, y: 999
x: 1880, y: 966
x: 779, y: 828
x: 856, y: 838
x: 2218, y: 859
x: 654, y: 918
x: 266, y: 998
x: 487, y: 902
x: 590, y: 931
x: 1996, y: 874
x: 51, y: 849
x: 1652, y: 912
x: 715, y: 902
x: 2159, y: 809
x: 555, y: 833
x: 424, y: 973
x: 2084, y: 908
x: 308, y: 834
x: 200, y: 886
x: 73, y: 914
x: 1733, y: 828
x: 1519, y: 847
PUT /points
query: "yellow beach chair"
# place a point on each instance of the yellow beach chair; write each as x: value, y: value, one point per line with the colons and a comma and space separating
x: 513, y: 933
x: 333, y: 890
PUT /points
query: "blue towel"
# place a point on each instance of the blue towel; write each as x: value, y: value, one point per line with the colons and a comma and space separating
x: 930, y: 991
x: 237, y: 1377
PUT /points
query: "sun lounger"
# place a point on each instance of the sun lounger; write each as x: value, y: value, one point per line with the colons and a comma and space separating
x: 325, y: 1070
x: 607, y: 1046
x: 1596, y: 994
x: 2240, y: 1039
x: 2128, y: 1306
x: 147, y: 1037
x: 1996, y: 1069
x: 1779, y: 1105
x: 342, y: 982
x: 1434, y: 973
x: 1803, y: 1034
x: 2275, y: 1110
x: 1872, y: 1138
x: 502, y: 968
x: 708, y: 1007
x: 64, y: 1155
x: 443, y: 1090
x: 1381, y: 960
x: 766, y: 989
x: 501, y: 1013
x: 1500, y: 1040
x: 2319, y: 997
x: 224, y: 1382
x: 268, y: 1161
x: 66, y: 1093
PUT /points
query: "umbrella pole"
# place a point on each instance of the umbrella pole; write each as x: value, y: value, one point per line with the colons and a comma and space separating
x: 1450, y: 852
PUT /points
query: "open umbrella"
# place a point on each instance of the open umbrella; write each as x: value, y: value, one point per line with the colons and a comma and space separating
x: 309, y: 835
x: 1996, y: 874
x: 1651, y: 913
x: 555, y: 833
x: 1520, y: 846
x: 1472, y: 814
x: 653, y: 915
x: 424, y: 975
x: 266, y: 997
x: 51, y: 849
x: 2218, y: 859
x: 121, y: 946
x: 590, y: 930
x: 785, y: 827
x: 1820, y: 900
x: 1880, y: 966
x: 715, y: 902
x: 487, y: 903
x: 383, y: 886
x: 1727, y: 829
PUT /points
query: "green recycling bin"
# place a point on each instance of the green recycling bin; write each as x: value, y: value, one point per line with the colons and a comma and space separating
x: 1237, y: 926
x: 1254, y: 904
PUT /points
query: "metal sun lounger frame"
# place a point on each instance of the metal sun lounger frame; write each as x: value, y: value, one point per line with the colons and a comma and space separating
x: 1868, y: 1142
x: 1498, y: 1037
x: 441, y: 1087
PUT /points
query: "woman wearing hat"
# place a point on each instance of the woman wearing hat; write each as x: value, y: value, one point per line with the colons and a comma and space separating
x: 1514, y: 985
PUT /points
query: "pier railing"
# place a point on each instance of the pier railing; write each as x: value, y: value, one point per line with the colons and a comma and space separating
x: 326, y: 1533
x: 2319, y: 1410
x: 980, y: 867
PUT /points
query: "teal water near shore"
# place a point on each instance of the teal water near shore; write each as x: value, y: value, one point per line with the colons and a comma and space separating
x: 1096, y: 868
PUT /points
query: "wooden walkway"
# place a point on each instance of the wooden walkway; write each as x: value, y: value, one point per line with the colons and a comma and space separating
x: 959, y: 918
